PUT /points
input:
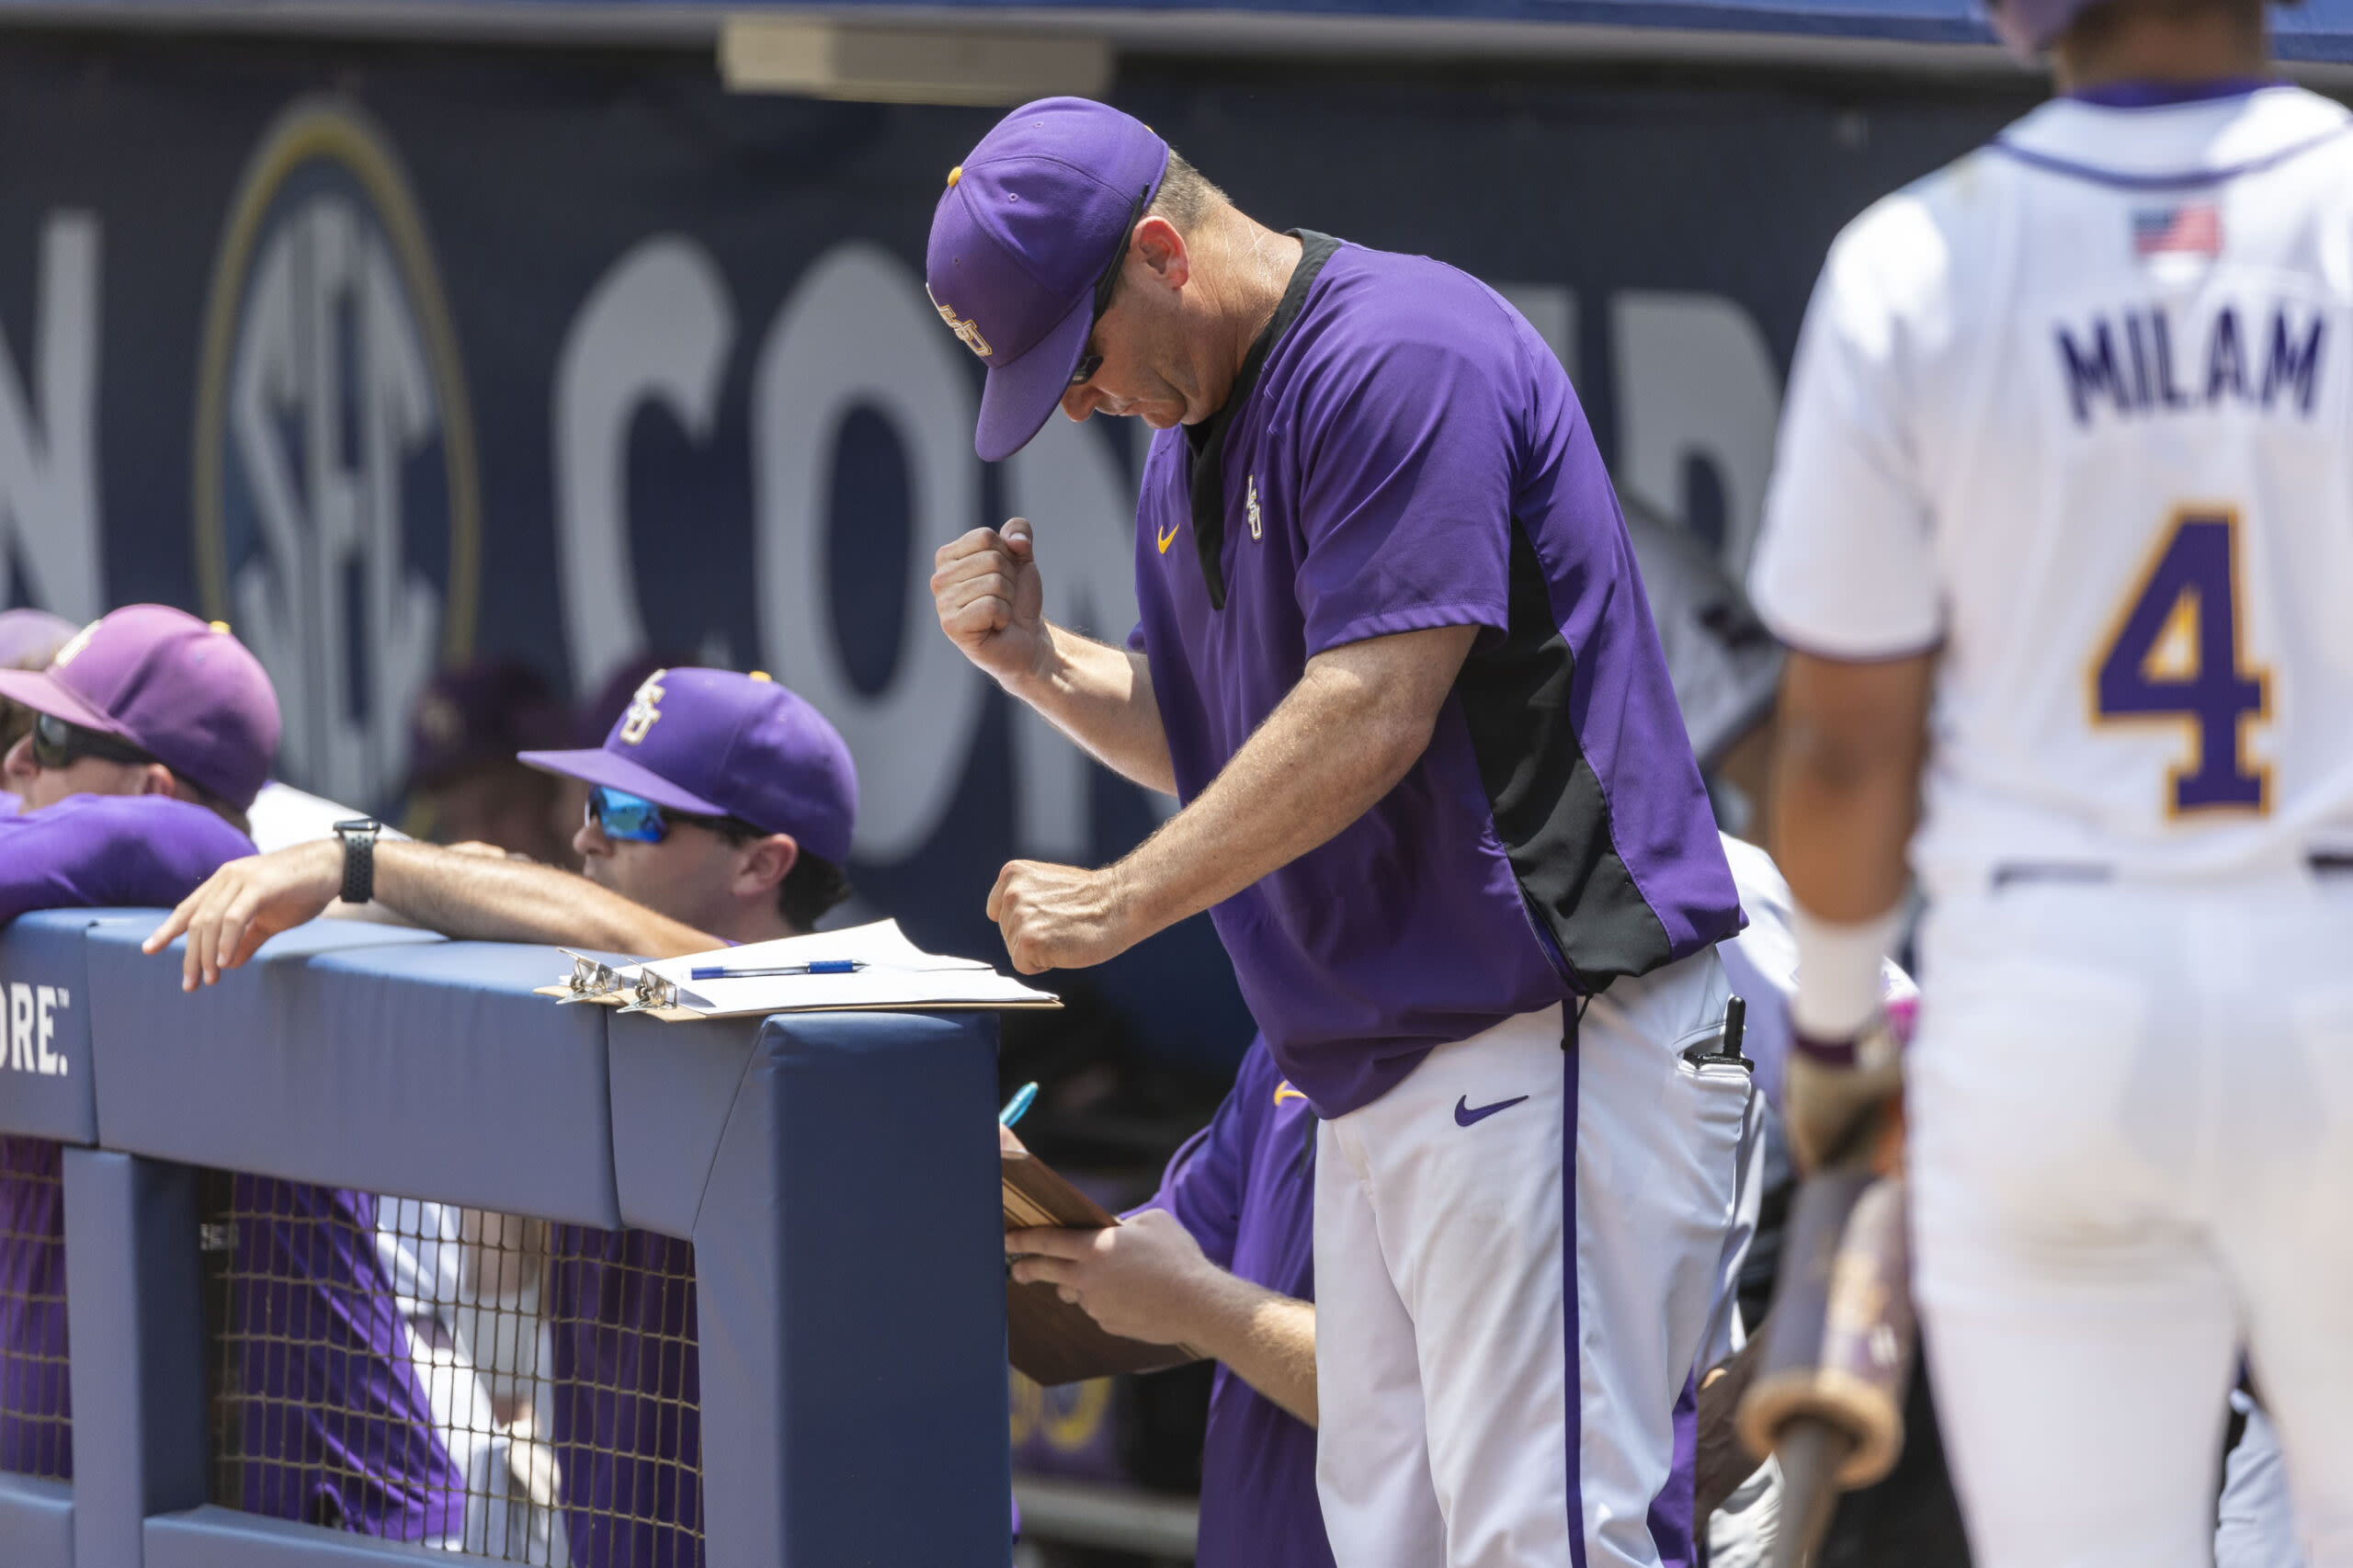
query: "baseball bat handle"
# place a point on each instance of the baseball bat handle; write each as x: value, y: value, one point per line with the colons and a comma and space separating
x: 1812, y: 1451
x: 1843, y: 1352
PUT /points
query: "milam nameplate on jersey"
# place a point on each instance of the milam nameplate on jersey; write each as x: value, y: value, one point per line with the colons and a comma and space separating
x: 46, y: 1084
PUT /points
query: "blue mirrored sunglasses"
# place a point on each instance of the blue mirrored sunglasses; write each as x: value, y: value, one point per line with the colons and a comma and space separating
x: 633, y: 818
x: 625, y: 816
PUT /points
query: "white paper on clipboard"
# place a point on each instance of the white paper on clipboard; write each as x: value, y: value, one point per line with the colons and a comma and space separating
x: 895, y: 975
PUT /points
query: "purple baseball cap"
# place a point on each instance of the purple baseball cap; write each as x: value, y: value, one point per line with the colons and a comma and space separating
x: 184, y: 692
x: 31, y: 638
x: 1031, y: 222
x: 716, y: 744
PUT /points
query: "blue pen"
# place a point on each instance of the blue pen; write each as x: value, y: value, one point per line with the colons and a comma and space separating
x: 815, y: 966
x: 1016, y: 1108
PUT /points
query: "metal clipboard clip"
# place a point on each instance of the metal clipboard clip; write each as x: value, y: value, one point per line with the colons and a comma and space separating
x: 590, y: 979
x: 651, y: 992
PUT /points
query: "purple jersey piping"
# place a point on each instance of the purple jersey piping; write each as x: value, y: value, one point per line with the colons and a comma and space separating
x: 2183, y: 179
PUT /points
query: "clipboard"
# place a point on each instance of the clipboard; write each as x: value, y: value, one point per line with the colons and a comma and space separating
x: 1050, y: 1340
x: 870, y: 968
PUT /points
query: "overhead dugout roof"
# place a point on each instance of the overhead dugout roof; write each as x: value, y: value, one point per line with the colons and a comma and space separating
x: 1930, y: 34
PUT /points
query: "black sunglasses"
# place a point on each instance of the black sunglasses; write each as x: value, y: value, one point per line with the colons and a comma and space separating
x: 58, y: 743
x: 1091, y: 362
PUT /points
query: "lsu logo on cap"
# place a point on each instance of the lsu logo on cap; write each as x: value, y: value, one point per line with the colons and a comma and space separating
x: 73, y: 649
x: 644, y: 708
x: 966, y: 333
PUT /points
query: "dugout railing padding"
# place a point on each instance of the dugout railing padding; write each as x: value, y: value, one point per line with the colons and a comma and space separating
x: 837, y: 1174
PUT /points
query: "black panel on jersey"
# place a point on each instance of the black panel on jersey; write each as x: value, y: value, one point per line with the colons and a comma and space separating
x: 1546, y: 798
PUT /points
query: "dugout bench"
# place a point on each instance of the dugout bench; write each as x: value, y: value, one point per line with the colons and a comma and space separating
x: 837, y: 1173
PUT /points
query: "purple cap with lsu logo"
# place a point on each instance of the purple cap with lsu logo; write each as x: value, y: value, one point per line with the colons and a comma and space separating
x: 715, y: 744
x: 1032, y: 220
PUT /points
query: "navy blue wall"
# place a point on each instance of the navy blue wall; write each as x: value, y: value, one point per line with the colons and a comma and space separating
x: 393, y: 356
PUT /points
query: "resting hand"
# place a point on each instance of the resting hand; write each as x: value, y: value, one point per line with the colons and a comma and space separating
x: 1143, y: 1280
x: 1061, y: 916
x: 245, y: 904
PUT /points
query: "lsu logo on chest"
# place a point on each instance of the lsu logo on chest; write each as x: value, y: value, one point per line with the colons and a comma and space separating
x: 1251, y: 514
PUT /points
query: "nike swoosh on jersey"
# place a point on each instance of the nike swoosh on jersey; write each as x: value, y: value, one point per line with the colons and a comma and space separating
x: 1464, y: 1116
x: 1283, y: 1091
x: 1167, y: 539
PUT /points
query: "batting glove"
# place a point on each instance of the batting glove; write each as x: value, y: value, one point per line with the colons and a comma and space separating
x: 1832, y: 1090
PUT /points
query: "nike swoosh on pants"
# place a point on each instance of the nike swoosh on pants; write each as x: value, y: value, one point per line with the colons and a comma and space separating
x: 1464, y: 1116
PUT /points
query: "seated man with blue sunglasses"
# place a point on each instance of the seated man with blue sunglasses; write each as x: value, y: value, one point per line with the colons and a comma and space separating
x: 760, y: 781
x: 720, y: 810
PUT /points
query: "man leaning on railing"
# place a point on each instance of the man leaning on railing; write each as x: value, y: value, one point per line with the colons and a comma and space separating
x: 152, y: 735
x: 720, y: 811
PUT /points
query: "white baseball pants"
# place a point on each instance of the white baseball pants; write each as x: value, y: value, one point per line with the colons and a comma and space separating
x: 1505, y: 1337
x: 2255, y: 1527
x: 2132, y: 1146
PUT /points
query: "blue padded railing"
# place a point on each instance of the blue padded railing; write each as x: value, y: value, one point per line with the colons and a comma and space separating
x: 837, y: 1174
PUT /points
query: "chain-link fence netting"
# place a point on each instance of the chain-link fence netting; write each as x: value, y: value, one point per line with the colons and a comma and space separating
x: 628, y: 1396
x: 419, y: 1371
x: 36, y: 1417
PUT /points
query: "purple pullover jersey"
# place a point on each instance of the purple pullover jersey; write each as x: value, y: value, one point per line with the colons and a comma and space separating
x: 1244, y: 1187
x: 337, y: 1428
x: 1400, y: 452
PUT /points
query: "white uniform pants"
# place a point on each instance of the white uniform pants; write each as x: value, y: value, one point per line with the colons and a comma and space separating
x: 1504, y: 1342
x: 2132, y: 1146
x: 2256, y: 1523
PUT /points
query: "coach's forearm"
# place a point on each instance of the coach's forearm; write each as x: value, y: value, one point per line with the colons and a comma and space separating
x: 1101, y: 698
x: 1846, y: 785
x: 1267, y: 1339
x: 479, y: 899
x: 1359, y: 718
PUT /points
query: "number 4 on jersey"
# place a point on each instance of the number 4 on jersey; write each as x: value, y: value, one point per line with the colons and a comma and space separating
x: 2175, y: 655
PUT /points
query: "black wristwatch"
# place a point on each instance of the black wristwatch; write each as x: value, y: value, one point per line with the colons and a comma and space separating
x: 358, y: 836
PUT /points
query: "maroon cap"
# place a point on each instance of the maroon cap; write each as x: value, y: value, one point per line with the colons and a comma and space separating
x: 187, y: 694
x: 1032, y: 220
x: 481, y: 713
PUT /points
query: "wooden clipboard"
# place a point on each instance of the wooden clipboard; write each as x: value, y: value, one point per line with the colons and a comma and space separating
x: 1048, y: 1339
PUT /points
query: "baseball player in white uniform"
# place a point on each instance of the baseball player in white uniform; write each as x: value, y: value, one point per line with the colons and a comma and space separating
x: 2063, y: 523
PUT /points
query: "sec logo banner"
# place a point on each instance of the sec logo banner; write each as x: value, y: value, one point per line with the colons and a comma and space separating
x: 337, y: 513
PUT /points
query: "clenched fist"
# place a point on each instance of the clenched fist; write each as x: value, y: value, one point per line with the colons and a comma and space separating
x: 991, y: 600
x: 1061, y: 916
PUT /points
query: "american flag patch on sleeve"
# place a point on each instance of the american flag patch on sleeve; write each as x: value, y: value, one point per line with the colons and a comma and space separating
x: 2195, y: 227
